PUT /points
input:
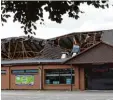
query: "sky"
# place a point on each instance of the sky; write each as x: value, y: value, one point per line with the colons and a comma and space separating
x: 93, y: 19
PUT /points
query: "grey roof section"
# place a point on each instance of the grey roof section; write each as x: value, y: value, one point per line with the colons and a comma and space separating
x: 33, y: 61
x: 50, y: 51
x: 107, y: 36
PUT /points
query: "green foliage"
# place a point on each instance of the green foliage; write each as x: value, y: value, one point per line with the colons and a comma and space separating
x: 28, y: 12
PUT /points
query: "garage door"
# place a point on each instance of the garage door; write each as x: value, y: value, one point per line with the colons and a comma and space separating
x: 99, y: 78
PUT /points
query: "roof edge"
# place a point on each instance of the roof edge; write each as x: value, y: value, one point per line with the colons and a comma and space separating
x: 88, y: 50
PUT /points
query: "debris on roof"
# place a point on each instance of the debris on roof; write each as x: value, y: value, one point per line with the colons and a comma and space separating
x: 30, y: 47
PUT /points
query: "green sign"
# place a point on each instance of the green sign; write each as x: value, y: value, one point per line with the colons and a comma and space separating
x: 24, y: 79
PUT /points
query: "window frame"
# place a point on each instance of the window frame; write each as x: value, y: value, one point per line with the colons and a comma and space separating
x: 5, y: 72
x: 61, y: 73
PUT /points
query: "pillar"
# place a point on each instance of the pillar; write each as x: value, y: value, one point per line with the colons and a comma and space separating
x: 82, y: 79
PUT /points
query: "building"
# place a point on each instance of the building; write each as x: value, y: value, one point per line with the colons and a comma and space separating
x: 90, y: 69
x: 95, y: 67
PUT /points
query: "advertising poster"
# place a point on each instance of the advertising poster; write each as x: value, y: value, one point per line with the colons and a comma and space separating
x: 68, y: 81
x: 24, y: 79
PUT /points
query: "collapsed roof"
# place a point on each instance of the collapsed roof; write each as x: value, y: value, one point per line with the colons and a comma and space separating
x: 25, y: 47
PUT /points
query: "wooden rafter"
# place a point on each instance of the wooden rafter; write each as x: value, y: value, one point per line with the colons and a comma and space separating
x: 15, y: 49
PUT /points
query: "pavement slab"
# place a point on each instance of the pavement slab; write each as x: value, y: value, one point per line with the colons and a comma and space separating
x: 55, y: 95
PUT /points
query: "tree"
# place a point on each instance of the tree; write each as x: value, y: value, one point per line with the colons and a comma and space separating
x: 28, y: 12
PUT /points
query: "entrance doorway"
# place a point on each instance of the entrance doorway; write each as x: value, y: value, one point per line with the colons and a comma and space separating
x: 99, y: 78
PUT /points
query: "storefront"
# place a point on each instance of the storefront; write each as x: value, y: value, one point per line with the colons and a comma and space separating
x: 20, y: 77
x: 95, y: 67
x: 91, y: 69
x: 57, y: 77
x: 44, y: 75
x: 27, y: 77
x: 99, y: 77
x: 61, y: 77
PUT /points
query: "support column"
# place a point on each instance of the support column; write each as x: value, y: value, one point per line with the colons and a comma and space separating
x: 82, y: 79
x: 42, y: 76
x: 9, y: 78
x: 77, y: 78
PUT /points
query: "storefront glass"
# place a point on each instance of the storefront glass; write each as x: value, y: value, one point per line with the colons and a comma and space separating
x: 3, y: 71
x: 59, y: 76
x: 99, y: 77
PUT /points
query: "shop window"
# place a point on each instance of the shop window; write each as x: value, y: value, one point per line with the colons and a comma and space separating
x: 3, y: 71
x: 59, y: 76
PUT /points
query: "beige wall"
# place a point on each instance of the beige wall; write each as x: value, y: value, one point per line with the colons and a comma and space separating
x: 5, y: 78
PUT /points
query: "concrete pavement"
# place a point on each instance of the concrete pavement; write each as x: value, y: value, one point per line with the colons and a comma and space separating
x: 55, y: 95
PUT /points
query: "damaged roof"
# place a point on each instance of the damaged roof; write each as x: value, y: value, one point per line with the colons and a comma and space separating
x: 50, y: 51
x: 25, y: 47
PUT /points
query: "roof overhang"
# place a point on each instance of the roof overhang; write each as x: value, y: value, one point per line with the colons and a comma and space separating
x: 97, y: 54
